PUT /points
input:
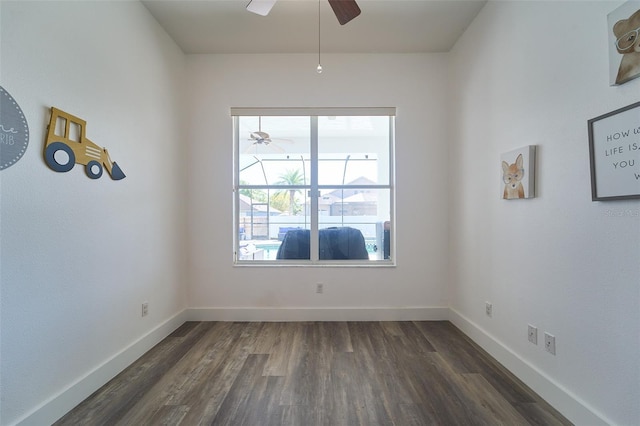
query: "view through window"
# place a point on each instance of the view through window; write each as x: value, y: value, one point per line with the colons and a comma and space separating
x: 313, y: 186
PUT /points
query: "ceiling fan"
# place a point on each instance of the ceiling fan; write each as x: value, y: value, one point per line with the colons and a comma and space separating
x: 260, y: 138
x: 263, y: 138
x: 345, y: 10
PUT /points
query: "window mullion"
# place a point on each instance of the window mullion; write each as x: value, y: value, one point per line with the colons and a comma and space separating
x: 236, y: 184
x: 314, y: 240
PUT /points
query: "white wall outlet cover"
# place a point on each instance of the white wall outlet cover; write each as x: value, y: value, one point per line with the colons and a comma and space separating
x: 550, y: 343
x: 533, y: 334
x: 488, y: 309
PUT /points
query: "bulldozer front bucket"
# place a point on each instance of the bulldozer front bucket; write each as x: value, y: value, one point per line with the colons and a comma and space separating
x: 116, y: 172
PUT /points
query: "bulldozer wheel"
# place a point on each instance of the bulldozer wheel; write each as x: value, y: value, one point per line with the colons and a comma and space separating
x: 49, y: 156
x: 89, y: 169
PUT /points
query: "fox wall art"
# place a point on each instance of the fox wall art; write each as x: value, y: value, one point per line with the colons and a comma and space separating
x: 518, y: 173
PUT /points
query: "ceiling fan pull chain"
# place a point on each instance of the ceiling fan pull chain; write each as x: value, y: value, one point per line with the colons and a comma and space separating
x: 319, y: 68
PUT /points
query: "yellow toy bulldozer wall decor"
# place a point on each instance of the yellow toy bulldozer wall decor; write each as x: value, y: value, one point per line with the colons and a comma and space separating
x: 66, y: 133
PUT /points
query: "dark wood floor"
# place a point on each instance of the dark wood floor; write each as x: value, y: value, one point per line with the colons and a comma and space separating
x: 320, y: 373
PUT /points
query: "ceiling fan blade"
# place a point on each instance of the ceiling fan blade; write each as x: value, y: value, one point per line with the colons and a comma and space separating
x: 261, y: 7
x: 264, y: 136
x: 345, y: 10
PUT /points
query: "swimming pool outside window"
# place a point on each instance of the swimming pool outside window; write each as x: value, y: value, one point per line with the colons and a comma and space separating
x: 313, y: 186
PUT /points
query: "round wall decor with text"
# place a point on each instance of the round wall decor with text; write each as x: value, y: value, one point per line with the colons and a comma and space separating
x: 14, y: 130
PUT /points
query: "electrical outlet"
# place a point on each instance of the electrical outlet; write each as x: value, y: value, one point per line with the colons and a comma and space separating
x: 550, y: 343
x: 145, y: 309
x: 533, y: 334
x: 319, y: 288
x: 488, y: 309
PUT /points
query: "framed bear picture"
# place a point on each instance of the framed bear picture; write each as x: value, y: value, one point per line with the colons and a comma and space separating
x: 518, y: 173
x: 624, y: 43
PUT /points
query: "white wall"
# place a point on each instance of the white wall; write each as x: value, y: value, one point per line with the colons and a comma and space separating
x: 533, y: 73
x: 79, y: 256
x: 413, y: 84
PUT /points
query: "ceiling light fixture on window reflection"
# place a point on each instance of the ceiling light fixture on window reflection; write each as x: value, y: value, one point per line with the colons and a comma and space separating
x: 319, y: 68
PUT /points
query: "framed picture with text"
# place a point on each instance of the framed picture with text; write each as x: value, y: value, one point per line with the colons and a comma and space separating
x: 614, y: 152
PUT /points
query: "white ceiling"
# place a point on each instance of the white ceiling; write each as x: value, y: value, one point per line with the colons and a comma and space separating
x: 384, y: 26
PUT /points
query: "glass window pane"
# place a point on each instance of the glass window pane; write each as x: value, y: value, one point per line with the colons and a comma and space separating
x: 274, y: 150
x: 353, y: 223
x: 265, y: 223
x: 353, y: 150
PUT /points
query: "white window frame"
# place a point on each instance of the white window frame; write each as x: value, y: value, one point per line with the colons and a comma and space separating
x: 313, y: 113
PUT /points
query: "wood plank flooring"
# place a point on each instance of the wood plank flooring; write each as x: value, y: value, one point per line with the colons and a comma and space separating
x: 315, y: 373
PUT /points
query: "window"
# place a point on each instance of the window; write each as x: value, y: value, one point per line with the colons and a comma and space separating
x: 313, y: 186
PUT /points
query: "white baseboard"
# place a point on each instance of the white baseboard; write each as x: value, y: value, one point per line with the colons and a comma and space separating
x: 56, y: 407
x: 319, y: 314
x: 560, y: 398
